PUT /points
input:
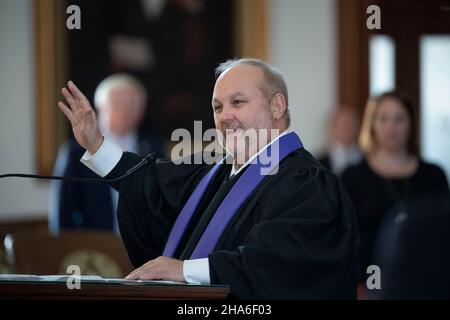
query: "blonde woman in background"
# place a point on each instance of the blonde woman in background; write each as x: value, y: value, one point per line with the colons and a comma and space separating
x: 391, y: 173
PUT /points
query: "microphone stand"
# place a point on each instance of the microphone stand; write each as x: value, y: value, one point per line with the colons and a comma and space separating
x: 129, y: 172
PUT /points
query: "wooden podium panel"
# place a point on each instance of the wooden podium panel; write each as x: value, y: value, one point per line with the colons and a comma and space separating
x: 101, y: 291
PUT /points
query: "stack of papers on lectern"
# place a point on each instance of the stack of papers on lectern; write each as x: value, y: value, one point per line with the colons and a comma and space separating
x: 83, y: 278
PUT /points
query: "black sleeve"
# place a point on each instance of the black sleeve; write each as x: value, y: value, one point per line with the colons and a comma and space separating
x: 150, y: 201
x: 304, y: 247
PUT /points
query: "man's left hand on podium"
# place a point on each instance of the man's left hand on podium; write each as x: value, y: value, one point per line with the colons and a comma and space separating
x: 161, y: 268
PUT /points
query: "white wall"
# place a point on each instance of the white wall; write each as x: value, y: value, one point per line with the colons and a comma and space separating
x: 18, y: 198
x: 302, y: 44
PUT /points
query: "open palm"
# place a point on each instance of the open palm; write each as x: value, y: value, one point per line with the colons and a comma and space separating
x: 82, y: 118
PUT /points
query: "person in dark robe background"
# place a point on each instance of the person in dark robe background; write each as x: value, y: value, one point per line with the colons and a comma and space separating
x: 292, y: 238
x: 414, y: 252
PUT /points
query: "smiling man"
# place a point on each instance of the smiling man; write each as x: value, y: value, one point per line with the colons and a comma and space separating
x: 287, y: 234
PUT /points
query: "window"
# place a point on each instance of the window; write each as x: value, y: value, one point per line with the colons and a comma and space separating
x: 435, y: 99
x: 381, y: 64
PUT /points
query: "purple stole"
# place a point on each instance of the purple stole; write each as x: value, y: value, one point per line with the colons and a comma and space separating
x: 246, y: 183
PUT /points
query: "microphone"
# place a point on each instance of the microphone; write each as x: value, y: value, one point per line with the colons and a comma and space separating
x: 129, y: 172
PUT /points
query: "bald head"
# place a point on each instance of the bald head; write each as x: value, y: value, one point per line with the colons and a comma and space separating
x: 240, y: 79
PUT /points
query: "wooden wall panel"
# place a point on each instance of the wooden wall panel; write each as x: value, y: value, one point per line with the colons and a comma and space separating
x: 50, y: 66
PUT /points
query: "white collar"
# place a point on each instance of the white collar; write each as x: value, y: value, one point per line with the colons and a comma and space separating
x: 236, y: 171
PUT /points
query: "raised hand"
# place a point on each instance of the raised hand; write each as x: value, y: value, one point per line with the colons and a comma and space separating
x: 82, y: 118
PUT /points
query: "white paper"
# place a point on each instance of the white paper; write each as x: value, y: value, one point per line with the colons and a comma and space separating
x: 85, y: 278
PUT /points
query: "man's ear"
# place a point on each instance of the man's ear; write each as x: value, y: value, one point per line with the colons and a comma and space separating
x: 278, y: 106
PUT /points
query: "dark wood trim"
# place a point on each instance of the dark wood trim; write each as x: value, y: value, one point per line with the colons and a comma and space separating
x: 251, y: 28
x: 50, y: 64
x: 97, y: 291
x: 353, y: 62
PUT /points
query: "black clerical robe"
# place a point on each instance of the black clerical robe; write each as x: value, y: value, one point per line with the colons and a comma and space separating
x: 293, y: 238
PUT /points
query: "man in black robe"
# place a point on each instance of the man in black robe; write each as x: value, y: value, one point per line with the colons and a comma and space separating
x: 292, y: 238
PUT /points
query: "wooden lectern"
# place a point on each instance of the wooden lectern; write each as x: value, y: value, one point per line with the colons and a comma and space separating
x: 92, y: 290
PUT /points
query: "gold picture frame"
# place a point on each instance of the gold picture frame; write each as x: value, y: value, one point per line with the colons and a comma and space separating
x: 50, y: 74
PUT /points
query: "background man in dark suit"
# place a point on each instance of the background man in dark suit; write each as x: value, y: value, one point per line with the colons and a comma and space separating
x: 342, y: 150
x: 120, y: 101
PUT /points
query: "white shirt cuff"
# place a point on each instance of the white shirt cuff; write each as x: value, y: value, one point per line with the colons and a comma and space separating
x: 196, y: 271
x: 105, y: 159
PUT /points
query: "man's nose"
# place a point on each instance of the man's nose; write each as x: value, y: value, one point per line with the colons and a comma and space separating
x: 227, y: 114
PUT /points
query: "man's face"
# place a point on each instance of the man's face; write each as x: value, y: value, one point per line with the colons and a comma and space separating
x: 123, y: 111
x: 239, y: 105
x: 346, y: 128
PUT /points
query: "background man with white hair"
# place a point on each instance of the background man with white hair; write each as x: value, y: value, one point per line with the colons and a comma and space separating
x: 120, y: 101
